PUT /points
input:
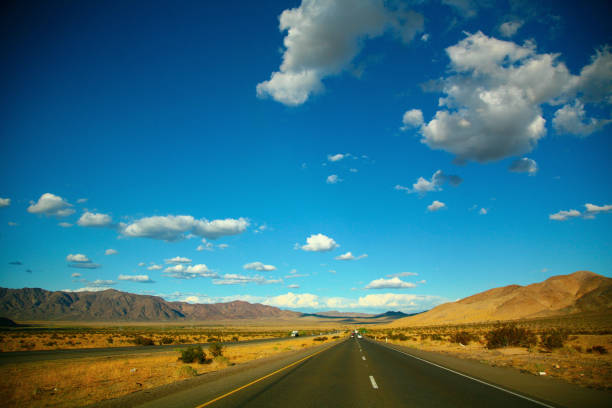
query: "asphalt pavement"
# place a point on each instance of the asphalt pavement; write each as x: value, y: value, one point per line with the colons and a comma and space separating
x: 352, y: 373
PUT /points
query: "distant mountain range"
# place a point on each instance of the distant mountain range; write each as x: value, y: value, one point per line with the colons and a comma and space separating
x: 112, y: 305
x: 580, y: 291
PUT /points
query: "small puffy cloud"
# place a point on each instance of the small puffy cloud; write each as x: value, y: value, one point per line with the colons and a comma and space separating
x: 5, y: 202
x: 425, y: 37
x: 81, y: 200
x: 89, y: 219
x: 135, y: 278
x: 236, y: 279
x: 110, y: 251
x: 77, y: 258
x: 178, y: 260
x: 335, y: 157
x: 141, y: 264
x: 222, y: 246
x: 401, y: 274
x: 350, y: 257
x: 296, y: 275
x: 206, y: 246
x: 293, y: 286
x: 155, y: 267
x: 259, y: 266
x: 65, y: 224
x: 435, y: 206
x: 483, y: 211
x: 509, y: 28
x: 101, y: 283
x: 324, y: 37
x: 572, y: 119
x: 353, y: 170
x: 592, y: 210
x: 438, y: 179
x: 76, y: 275
x: 333, y: 179
x: 175, y: 227
x: 466, y: 8
x: 564, y: 215
x: 393, y: 283
x: 12, y: 224
x: 51, y: 205
x: 524, y: 165
x: 181, y: 271
x: 319, y: 243
x: 412, y: 118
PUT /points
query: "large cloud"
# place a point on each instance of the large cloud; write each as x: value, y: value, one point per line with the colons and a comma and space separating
x: 493, y: 98
x: 89, y: 219
x: 323, y: 37
x: 5, y: 202
x: 51, y: 205
x: 319, y: 243
x: 175, y: 227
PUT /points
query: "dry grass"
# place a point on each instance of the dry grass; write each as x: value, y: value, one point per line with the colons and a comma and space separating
x: 72, y: 383
x: 41, y: 337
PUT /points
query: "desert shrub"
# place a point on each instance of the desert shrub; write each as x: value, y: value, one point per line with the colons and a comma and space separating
x: 597, y: 349
x: 424, y: 336
x: 216, y: 349
x: 193, y: 355
x: 436, y: 336
x: 510, y: 335
x: 319, y: 338
x: 212, y: 339
x: 50, y: 343
x: 166, y: 340
x: 336, y: 337
x: 553, y: 338
x: 186, y: 371
x: 222, y: 360
x: 578, y: 348
x: 143, y: 341
x: 463, y: 337
x: 109, y: 340
x: 234, y: 338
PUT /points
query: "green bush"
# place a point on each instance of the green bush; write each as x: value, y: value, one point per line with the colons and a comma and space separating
x: 216, y: 349
x: 193, y: 355
x: 187, y: 371
x: 510, y: 335
x: 552, y: 339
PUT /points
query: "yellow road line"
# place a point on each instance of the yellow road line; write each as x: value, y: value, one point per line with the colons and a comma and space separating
x: 259, y: 379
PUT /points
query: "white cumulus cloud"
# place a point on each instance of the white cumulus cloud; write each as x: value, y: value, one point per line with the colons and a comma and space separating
x: 335, y: 157
x: 259, y: 266
x: 435, y: 206
x: 564, y: 215
x: 77, y: 258
x: 5, y: 202
x: 178, y: 260
x: 393, y: 283
x: 155, y: 267
x: 333, y: 179
x: 509, y: 28
x: 175, y: 227
x: 110, y: 251
x: 89, y: 219
x: 438, y: 179
x: 322, y: 39
x: 182, y: 271
x: 51, y: 205
x: 350, y: 257
x: 319, y: 243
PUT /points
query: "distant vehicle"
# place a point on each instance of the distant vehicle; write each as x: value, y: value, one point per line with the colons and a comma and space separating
x: 295, y: 333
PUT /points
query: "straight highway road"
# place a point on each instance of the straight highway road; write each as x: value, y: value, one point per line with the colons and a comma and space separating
x: 352, y: 373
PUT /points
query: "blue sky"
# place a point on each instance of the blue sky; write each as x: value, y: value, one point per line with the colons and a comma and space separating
x: 350, y: 155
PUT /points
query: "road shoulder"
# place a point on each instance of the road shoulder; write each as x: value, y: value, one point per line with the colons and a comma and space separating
x: 549, y: 390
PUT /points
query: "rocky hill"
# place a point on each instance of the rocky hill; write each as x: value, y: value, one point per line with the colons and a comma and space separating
x: 581, y: 291
x: 112, y: 305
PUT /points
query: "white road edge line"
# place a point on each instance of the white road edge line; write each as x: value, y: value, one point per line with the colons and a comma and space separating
x: 374, y: 385
x: 472, y: 378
